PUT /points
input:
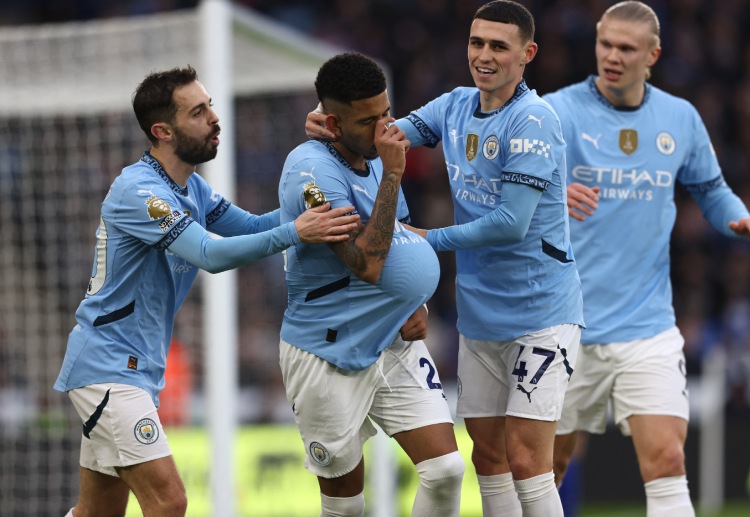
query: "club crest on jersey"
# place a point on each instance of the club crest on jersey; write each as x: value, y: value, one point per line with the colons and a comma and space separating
x: 157, y: 208
x: 665, y: 143
x: 320, y: 454
x: 472, y: 146
x: 312, y: 195
x: 146, y: 431
x: 628, y: 141
x: 489, y: 148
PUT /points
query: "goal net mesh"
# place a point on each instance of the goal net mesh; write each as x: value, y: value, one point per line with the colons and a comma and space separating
x: 66, y: 131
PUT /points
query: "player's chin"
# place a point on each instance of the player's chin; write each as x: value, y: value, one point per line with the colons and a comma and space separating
x: 372, y: 153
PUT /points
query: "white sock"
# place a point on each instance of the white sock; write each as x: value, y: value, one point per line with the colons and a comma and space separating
x: 439, y: 491
x: 539, y: 496
x: 668, y: 497
x: 342, y: 506
x: 499, y: 498
x: 70, y: 513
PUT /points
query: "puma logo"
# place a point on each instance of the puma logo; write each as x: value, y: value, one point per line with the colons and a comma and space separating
x: 537, y: 120
x: 303, y: 173
x: 360, y: 189
x: 455, y: 136
x: 527, y: 393
x: 591, y: 139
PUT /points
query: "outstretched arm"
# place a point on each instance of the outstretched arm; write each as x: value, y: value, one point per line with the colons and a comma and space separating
x: 508, y: 223
x: 317, y: 225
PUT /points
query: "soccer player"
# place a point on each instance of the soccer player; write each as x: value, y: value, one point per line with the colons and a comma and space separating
x: 518, y: 291
x: 351, y: 349
x: 152, y: 238
x: 628, y: 144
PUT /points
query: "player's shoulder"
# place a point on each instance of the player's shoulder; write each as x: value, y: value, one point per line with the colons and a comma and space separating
x: 533, y: 109
x: 570, y: 95
x: 138, y: 176
x: 458, y: 95
x: 313, y: 161
x: 669, y: 103
x: 310, y: 152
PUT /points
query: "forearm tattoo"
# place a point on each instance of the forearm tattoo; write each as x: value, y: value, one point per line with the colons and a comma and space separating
x: 370, y: 247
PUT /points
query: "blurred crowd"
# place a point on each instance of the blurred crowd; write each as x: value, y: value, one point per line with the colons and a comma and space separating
x: 706, y: 59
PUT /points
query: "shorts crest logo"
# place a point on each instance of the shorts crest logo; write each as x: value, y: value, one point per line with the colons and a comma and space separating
x: 146, y: 431
x: 320, y: 454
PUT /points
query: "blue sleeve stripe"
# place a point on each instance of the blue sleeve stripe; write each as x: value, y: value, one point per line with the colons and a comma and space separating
x: 426, y: 132
x: 524, y: 179
x: 217, y: 212
x: 701, y: 188
x: 175, y: 232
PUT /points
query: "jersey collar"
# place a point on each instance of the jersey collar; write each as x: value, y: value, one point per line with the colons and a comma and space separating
x: 520, y: 90
x: 336, y: 154
x: 591, y: 81
x: 154, y: 163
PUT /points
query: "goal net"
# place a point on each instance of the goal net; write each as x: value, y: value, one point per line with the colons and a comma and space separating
x: 66, y: 131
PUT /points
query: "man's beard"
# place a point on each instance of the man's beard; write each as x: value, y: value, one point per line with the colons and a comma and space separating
x: 193, y: 150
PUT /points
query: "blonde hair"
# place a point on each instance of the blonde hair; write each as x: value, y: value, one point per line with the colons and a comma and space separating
x: 634, y: 11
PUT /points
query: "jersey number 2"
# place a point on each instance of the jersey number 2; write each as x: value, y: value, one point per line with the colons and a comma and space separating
x: 423, y: 361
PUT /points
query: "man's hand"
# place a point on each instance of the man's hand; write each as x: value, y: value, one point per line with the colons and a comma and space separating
x: 321, y: 224
x: 315, y: 126
x: 582, y: 201
x: 419, y: 231
x: 392, y: 145
x: 415, y: 327
x: 741, y: 227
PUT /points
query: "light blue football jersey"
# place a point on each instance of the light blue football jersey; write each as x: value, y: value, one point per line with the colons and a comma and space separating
x: 124, y: 324
x: 634, y: 156
x: 505, y: 290
x: 332, y: 313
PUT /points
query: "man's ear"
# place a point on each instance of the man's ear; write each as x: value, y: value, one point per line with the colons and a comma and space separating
x: 332, y: 124
x: 162, y: 132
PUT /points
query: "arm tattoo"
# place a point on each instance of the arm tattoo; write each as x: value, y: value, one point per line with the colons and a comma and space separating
x: 369, y: 249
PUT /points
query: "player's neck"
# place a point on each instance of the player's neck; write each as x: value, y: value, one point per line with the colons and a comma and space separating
x: 622, y: 98
x: 175, y: 168
x: 496, y: 99
x: 357, y: 161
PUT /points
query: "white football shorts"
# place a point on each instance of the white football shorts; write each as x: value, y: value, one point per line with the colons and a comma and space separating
x: 526, y: 377
x: 333, y: 407
x: 120, y: 427
x: 641, y: 377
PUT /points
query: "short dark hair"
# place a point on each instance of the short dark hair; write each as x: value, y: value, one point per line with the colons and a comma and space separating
x: 153, y: 99
x: 507, y: 11
x: 349, y: 77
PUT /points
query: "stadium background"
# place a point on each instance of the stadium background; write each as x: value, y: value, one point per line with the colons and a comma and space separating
x: 706, y: 59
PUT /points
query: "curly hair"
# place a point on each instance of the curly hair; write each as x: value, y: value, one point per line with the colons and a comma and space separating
x: 153, y: 99
x: 349, y: 77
